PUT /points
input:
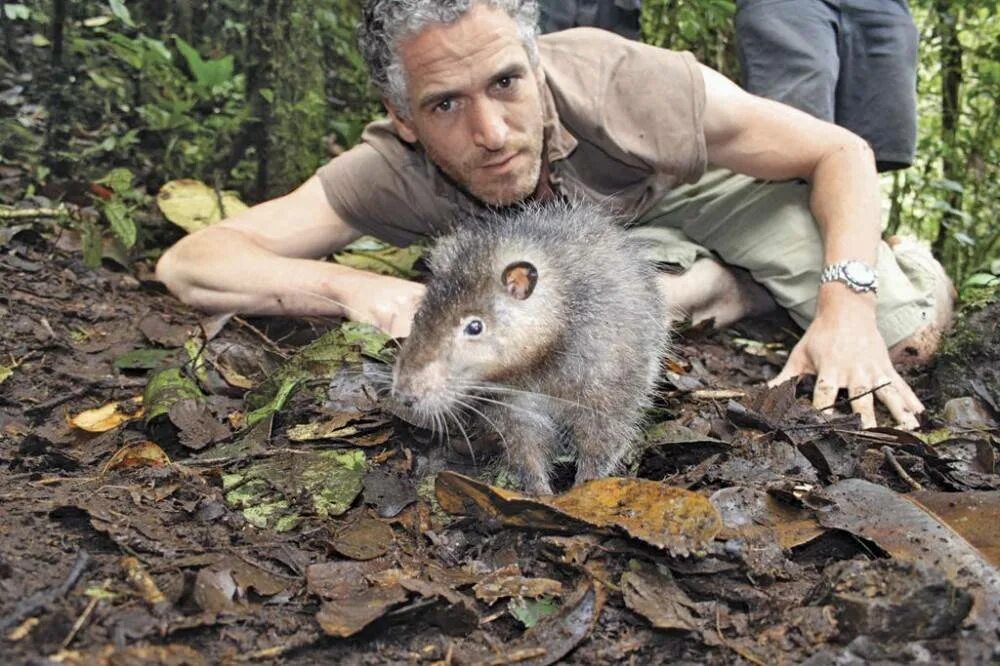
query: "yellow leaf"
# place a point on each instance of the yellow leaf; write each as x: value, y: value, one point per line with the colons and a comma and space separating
x: 192, y: 205
x: 143, y: 454
x: 109, y: 416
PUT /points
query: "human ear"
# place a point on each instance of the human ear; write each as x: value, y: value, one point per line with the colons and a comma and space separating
x: 404, y: 127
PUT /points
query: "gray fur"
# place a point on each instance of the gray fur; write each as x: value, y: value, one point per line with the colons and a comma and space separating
x: 574, y: 362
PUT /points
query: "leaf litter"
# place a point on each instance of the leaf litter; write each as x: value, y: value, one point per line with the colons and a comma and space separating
x: 265, y: 501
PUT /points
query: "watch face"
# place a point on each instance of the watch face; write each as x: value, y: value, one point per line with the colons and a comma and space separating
x: 859, y: 273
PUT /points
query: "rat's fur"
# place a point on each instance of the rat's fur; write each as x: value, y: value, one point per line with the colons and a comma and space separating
x: 573, y: 362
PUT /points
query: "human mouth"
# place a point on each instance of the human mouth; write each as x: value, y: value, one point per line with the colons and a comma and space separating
x: 499, y: 165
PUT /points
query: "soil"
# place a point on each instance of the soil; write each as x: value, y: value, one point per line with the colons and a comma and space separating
x: 112, y: 558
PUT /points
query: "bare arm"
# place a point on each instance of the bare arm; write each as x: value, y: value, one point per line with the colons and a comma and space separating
x: 772, y: 141
x: 262, y: 261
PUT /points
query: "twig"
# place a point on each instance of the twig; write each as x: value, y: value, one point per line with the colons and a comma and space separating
x: 263, y: 336
x: 80, y: 621
x: 58, y: 400
x: 33, y: 213
x: 887, y: 452
x: 850, y: 399
x: 197, y: 462
x: 43, y: 598
x: 717, y: 394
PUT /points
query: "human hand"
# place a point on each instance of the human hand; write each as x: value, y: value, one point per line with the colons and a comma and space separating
x: 850, y: 352
x: 388, y: 303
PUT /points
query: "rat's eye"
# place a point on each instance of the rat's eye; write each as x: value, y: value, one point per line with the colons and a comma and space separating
x: 474, y: 327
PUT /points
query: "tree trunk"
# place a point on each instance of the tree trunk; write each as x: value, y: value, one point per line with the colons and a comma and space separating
x: 951, y: 83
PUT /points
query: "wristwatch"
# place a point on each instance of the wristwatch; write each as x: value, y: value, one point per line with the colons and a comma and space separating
x: 857, y: 275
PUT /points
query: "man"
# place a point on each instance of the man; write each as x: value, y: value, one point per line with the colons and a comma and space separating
x: 482, y: 113
x: 850, y: 62
x: 620, y: 16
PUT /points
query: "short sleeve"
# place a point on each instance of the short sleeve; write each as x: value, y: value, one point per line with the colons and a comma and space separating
x: 642, y: 105
x: 385, y: 188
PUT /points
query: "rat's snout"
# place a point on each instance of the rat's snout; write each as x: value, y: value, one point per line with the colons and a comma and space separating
x: 422, y: 390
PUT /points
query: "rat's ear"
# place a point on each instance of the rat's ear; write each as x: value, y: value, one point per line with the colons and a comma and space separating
x: 519, y: 279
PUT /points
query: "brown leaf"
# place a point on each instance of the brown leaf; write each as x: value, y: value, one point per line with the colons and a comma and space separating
x: 143, y: 454
x: 364, y: 539
x: 508, y: 582
x: 674, y: 519
x: 653, y: 594
x: 346, y: 617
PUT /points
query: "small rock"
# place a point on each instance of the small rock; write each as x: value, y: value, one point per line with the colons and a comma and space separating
x: 890, y: 600
x: 967, y: 412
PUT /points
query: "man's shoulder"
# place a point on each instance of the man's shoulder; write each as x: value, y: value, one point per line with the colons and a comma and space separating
x: 595, y: 76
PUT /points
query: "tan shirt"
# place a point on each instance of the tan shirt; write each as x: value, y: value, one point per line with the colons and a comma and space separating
x: 622, y: 120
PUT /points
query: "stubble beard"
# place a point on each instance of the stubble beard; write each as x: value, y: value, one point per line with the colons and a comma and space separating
x: 501, y: 190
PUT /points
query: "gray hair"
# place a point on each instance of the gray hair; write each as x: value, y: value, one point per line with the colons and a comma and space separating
x: 388, y: 22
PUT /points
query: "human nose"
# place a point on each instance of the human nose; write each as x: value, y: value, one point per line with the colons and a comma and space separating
x: 489, y: 129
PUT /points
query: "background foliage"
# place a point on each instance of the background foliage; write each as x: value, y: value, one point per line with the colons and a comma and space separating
x: 255, y: 96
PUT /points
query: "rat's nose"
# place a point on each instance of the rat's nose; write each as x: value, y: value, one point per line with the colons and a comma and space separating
x: 403, y: 398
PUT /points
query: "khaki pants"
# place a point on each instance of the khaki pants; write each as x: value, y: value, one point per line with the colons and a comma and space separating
x: 766, y: 228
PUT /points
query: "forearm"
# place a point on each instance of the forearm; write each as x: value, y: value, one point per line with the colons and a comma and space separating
x: 845, y: 202
x: 223, y: 270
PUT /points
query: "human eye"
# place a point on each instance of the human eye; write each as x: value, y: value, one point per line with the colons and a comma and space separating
x: 507, y: 82
x: 444, y: 106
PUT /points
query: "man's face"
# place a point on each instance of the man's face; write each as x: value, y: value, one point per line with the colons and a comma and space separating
x: 475, y: 105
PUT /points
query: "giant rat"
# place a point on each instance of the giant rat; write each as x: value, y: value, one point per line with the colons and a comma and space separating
x: 546, y: 323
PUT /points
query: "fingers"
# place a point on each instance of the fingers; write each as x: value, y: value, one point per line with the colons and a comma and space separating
x: 825, y: 392
x: 901, y: 402
x: 863, y: 404
x: 797, y: 364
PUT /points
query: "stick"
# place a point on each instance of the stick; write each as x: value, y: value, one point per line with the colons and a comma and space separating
x: 887, y: 452
x: 18, y: 214
x: 43, y: 598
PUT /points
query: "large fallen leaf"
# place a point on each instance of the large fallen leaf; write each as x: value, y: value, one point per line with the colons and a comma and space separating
x: 973, y: 514
x: 751, y: 514
x: 346, y: 617
x: 373, y: 255
x: 652, y: 593
x: 911, y: 534
x: 165, y: 388
x: 267, y: 491
x: 192, y: 205
x: 143, y: 454
x: 108, y: 417
x: 334, y: 354
x: 674, y: 519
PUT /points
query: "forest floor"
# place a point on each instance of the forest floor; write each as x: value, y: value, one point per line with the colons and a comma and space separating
x: 308, y: 527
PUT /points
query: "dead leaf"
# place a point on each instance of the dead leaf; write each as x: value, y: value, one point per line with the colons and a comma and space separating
x: 334, y: 427
x: 556, y: 635
x: 652, y: 593
x: 143, y: 454
x: 973, y: 514
x: 508, y: 582
x: 197, y: 425
x: 348, y: 616
x: 108, y: 417
x: 364, y: 539
x: 910, y: 534
x: 677, y: 520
